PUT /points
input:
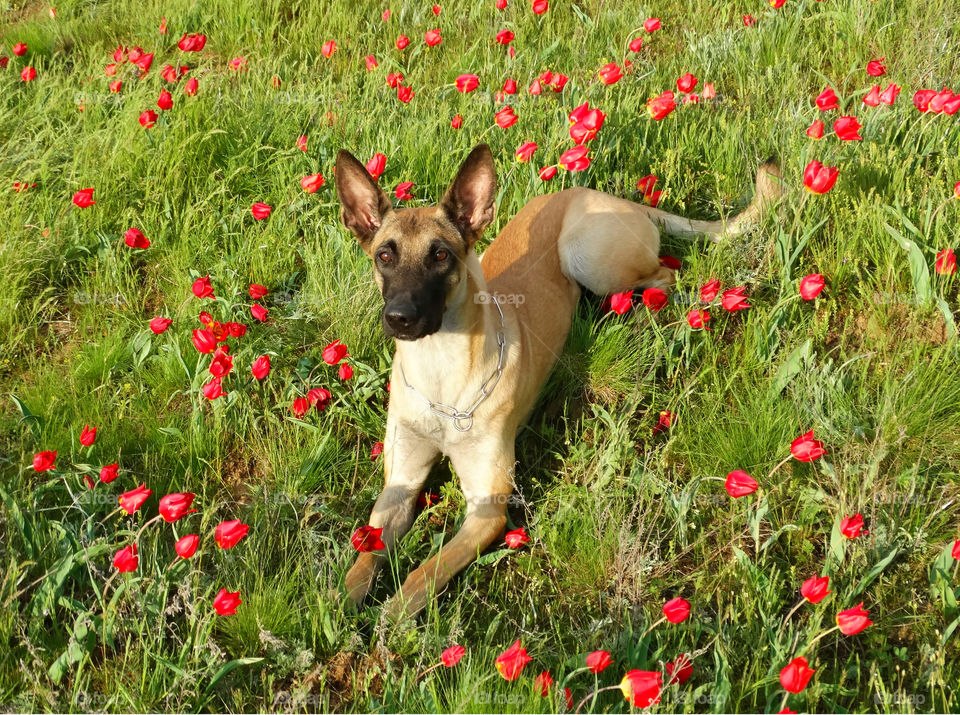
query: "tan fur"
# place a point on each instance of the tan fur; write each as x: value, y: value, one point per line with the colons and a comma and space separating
x: 555, y: 243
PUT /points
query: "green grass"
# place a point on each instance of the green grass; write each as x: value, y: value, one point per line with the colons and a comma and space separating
x: 620, y: 519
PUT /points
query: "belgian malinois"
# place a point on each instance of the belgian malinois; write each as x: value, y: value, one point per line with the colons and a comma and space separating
x: 476, y: 337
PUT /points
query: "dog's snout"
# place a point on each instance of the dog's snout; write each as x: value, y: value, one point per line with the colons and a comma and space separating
x: 400, y: 313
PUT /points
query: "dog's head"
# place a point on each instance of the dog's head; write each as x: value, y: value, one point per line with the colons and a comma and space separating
x: 418, y: 254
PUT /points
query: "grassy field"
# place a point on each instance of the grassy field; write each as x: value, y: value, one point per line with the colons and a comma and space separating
x: 621, y: 517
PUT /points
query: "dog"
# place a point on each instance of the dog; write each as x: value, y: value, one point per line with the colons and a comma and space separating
x: 477, y: 337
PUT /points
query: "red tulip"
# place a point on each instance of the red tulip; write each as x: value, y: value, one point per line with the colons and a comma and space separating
x: 329, y: 47
x: 115, y: 86
x: 739, y: 484
x: 598, y: 661
x: 319, y: 397
x: 213, y: 389
x: 811, y: 286
x: 402, y: 42
x: 680, y: 670
x: 229, y: 533
x: 366, y: 539
x: 827, y: 99
x: 709, y: 291
x: 467, y: 83
x: 386, y: 15
x: 44, y: 461
x: 436, y: 9
x: 635, y: 44
x: 655, y: 299
x: 610, y: 73
x: 126, y: 560
x: 620, y: 303
x: 402, y: 191
x: 889, y: 95
x: 159, y: 324
x: 815, y: 130
x: 670, y: 262
x: 876, y: 68
x: 132, y: 500
x: 334, y: 352
x: 642, y: 688
x: 190, y: 88
x: 501, y: 4
x: 676, y: 610
x: 134, y: 238
x: 505, y: 37
x: 147, y: 119
x: 376, y: 451
x: 795, y: 676
x: 851, y: 526
x: 176, y: 505
x: 559, y: 82
x: 512, y: 661
x: 345, y: 372
x: 261, y: 367
x: 302, y: 143
x: 749, y: 21
x: 186, y: 546
x: 192, y: 43
x: 371, y: 63
x: 510, y: 86
x: 505, y: 118
x: 238, y: 63
x: 109, y: 472
x: 819, y: 179
x: 28, y: 74
x: 946, y: 264
x: 452, y: 655
x: 432, y: 38
x: 377, y: 165
x: 84, y: 198
x: 88, y: 435
x: 19, y: 49
x: 516, y: 538
x: 815, y: 588
x: 226, y: 602
x: 698, y: 319
x: 921, y: 99
x: 259, y: 312
x: 222, y: 364
x: 853, y: 620
x: 686, y: 83
x: 734, y: 299
x: 777, y: 4
x: 525, y: 151
x: 165, y: 101
x: 873, y: 97
x: 542, y: 683
x: 651, y: 24
x: 575, y: 159
x: 456, y: 122
x: 204, y: 341
x: 663, y: 422
x: 312, y: 182
x: 300, y: 407
x: 260, y: 210
x: 847, y: 129
x: 955, y: 552
x: 540, y: 6
x: 547, y: 173
x: 807, y: 449
x: 659, y: 107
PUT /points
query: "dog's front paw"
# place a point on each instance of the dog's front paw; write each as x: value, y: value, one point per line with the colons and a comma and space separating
x: 360, y: 578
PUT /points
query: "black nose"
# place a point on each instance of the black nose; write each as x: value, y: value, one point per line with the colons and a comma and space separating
x: 400, y: 314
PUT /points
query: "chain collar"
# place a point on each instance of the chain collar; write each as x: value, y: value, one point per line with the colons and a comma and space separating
x: 463, y: 419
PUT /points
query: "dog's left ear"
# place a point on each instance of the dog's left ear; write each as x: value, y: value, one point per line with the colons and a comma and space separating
x: 468, y: 202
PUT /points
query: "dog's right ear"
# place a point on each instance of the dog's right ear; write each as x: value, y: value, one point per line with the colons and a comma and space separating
x: 362, y: 203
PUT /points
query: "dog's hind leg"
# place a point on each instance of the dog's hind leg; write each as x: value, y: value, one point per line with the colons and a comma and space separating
x: 487, y: 488
x: 408, y: 459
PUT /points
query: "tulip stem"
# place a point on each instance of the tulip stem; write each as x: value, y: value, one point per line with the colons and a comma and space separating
x: 825, y: 633
x: 594, y: 695
x: 792, y: 611
x: 147, y: 523
x: 783, y: 703
x: 782, y: 462
x: 646, y: 632
x: 428, y: 670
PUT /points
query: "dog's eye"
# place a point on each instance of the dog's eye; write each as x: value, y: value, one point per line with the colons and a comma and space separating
x: 385, y: 256
x: 441, y: 255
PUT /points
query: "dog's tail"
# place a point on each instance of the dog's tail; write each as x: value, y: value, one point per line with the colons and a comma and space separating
x: 768, y: 189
